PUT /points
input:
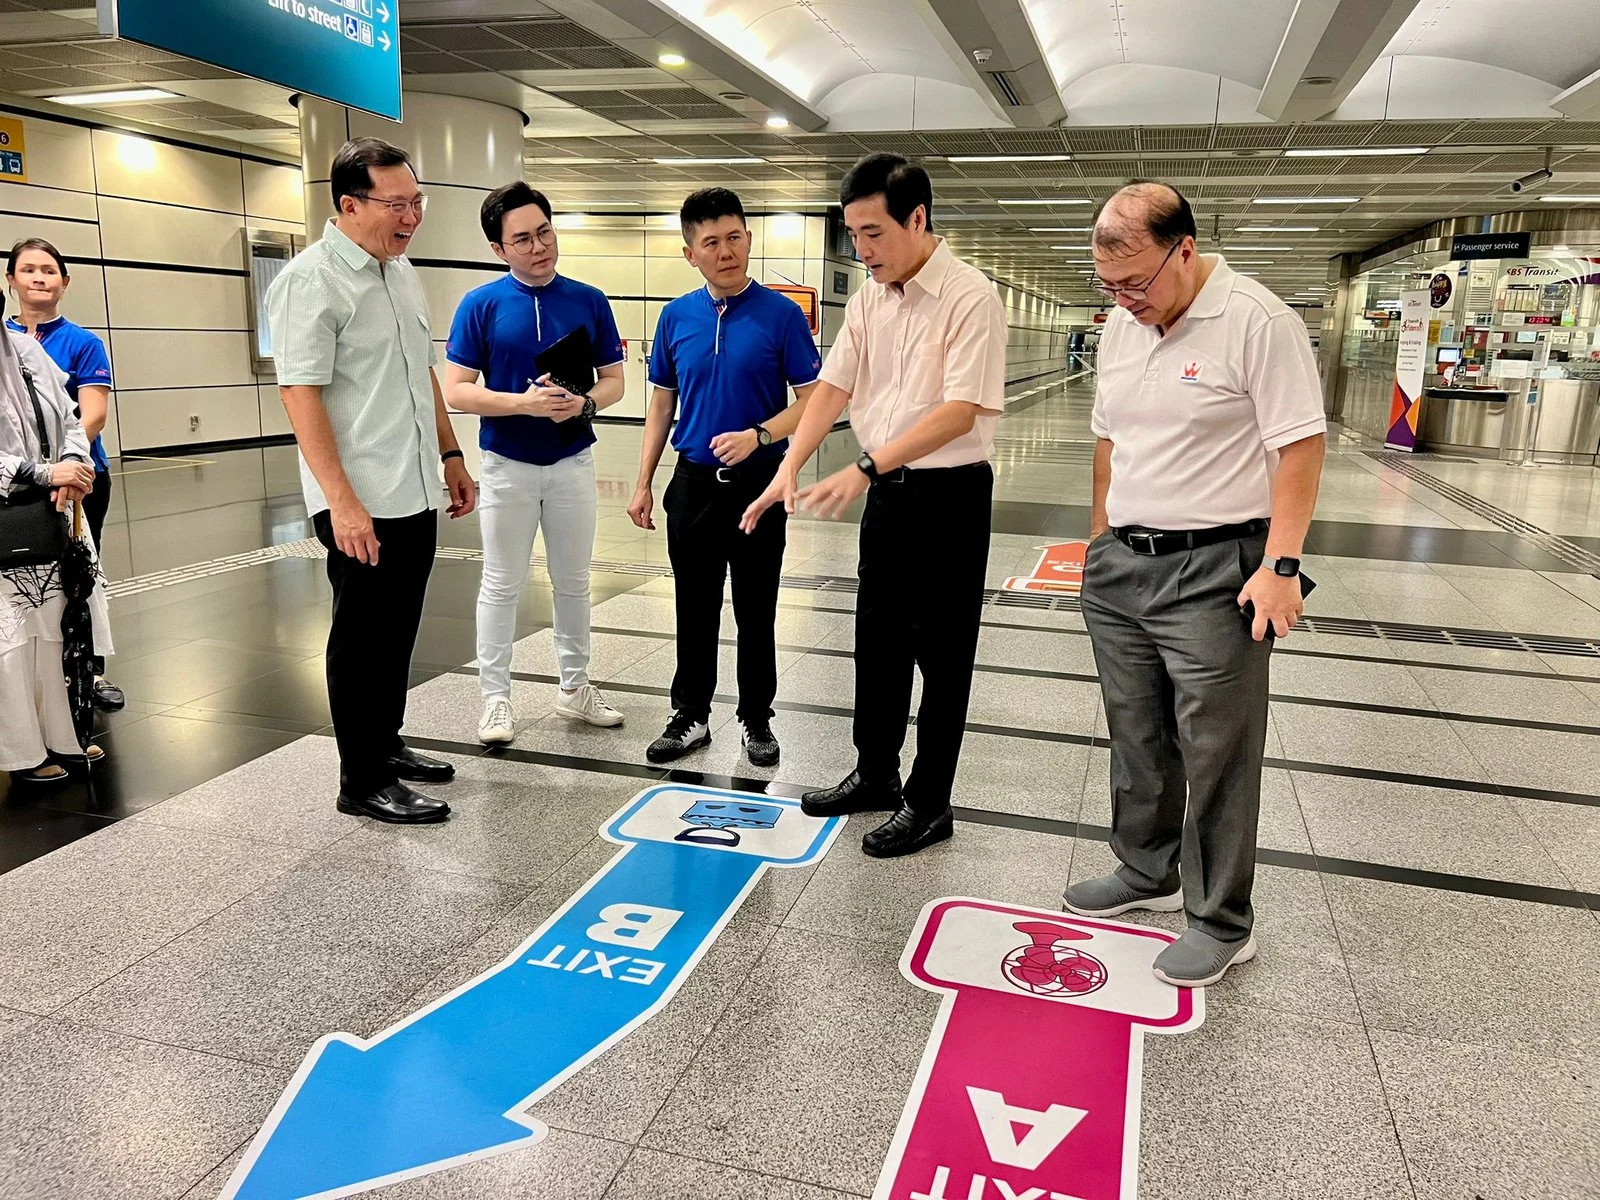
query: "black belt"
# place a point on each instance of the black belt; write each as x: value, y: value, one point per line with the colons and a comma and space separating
x: 1156, y: 541
x: 929, y: 474
x: 747, y: 471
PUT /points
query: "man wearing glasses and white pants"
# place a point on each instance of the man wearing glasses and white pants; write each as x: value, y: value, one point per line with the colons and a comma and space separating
x: 1211, y: 435
x: 538, y: 468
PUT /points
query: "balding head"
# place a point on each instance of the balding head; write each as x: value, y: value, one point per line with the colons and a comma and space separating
x: 1140, y: 215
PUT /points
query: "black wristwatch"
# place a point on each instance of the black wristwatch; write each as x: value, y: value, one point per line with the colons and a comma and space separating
x: 589, y: 408
x: 449, y: 454
x: 1287, y: 567
x: 763, y: 435
x: 867, y: 466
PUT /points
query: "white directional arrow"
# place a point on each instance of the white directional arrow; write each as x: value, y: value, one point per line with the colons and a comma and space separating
x: 383, y: 39
x: 383, y: 14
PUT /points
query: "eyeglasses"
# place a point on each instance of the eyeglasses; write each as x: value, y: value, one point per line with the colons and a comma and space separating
x: 524, y: 243
x: 1136, y: 294
x: 417, y: 204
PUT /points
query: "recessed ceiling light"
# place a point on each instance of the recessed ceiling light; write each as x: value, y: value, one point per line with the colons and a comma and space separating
x: 709, y: 162
x: 1569, y: 199
x: 1085, y: 249
x: 124, y: 96
x: 1062, y: 201
x: 1060, y: 228
x: 1307, y: 200
x: 1278, y: 229
x: 671, y: 60
x: 1231, y: 246
x: 777, y: 122
x: 1006, y: 158
x: 1354, y: 151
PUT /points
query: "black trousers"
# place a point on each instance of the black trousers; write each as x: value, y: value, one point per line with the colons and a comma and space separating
x: 706, y: 547
x: 376, y: 613
x: 95, y: 505
x: 924, y: 555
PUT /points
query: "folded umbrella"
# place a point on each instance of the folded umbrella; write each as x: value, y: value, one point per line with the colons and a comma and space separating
x: 79, y: 573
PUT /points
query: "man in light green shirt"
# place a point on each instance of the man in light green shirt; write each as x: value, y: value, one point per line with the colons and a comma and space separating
x: 355, y: 359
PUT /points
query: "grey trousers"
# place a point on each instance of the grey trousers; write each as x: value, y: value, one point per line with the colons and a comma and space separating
x: 1185, y: 692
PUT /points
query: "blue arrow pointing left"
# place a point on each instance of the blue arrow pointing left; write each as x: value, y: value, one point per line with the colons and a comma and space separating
x: 448, y: 1085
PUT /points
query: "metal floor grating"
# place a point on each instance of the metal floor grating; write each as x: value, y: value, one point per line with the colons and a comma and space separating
x: 994, y: 598
x: 1553, y: 544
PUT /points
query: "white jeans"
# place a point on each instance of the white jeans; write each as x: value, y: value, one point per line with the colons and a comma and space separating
x: 514, y: 500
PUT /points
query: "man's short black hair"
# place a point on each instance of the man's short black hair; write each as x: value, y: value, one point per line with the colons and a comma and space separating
x: 903, y: 185
x: 709, y: 204
x: 508, y: 199
x: 351, y: 174
x: 1160, y: 212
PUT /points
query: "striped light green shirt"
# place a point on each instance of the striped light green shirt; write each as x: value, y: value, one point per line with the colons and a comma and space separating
x: 360, y: 332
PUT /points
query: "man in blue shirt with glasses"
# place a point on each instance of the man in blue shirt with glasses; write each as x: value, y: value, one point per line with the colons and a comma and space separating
x: 538, y: 468
x: 724, y: 359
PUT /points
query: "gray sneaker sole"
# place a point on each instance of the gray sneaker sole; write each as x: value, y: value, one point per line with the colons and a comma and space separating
x: 1168, y: 903
x: 1245, y: 954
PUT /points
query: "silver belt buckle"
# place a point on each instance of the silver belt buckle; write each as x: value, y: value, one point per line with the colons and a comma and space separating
x: 724, y: 474
x: 1148, y: 540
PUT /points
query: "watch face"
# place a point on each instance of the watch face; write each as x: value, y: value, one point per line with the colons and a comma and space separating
x: 1287, y: 566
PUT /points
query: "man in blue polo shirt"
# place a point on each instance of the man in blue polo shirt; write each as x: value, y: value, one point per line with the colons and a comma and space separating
x: 538, y: 469
x: 724, y: 359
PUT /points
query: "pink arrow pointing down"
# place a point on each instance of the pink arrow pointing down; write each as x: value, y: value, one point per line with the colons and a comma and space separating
x: 1029, y: 1088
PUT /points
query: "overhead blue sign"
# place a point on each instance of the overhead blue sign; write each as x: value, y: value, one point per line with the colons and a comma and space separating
x: 347, y: 51
x: 449, y: 1084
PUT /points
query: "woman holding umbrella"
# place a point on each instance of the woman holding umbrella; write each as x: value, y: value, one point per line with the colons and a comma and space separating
x: 43, y: 451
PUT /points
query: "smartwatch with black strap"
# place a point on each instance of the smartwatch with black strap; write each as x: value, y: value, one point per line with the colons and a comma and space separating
x: 867, y: 466
x: 1285, y: 566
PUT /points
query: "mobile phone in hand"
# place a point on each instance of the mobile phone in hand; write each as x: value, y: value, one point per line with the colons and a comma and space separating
x: 1248, y: 611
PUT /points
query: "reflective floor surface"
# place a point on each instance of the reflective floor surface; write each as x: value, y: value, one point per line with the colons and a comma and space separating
x: 181, y: 929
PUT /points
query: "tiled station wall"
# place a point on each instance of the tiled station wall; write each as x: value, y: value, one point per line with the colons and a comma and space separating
x: 155, y: 236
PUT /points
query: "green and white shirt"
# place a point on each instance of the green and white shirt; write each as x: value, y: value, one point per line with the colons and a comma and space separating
x: 359, y: 331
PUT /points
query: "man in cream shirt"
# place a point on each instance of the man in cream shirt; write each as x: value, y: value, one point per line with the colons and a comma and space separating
x: 1210, y: 442
x: 921, y: 364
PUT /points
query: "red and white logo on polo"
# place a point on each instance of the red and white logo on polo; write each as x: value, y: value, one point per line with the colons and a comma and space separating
x: 1191, y: 372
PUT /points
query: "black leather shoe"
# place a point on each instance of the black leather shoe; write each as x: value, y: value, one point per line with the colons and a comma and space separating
x: 907, y: 832
x: 108, y: 696
x: 408, y: 764
x: 397, y: 804
x: 852, y: 794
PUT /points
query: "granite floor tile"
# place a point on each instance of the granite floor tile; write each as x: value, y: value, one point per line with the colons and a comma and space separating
x: 1570, y: 834
x: 832, y: 1073
x: 1341, y: 679
x: 654, y: 1175
x: 1474, y: 968
x: 1020, y: 702
x: 76, y: 917
x: 1042, y: 649
x: 1512, y: 697
x: 91, y: 1115
x: 1419, y: 745
x: 1481, y: 1120
x: 329, y: 946
x: 1020, y: 775
x: 450, y: 707
x: 1535, y: 758
x: 1426, y: 829
x: 609, y: 653
x: 1258, y: 1104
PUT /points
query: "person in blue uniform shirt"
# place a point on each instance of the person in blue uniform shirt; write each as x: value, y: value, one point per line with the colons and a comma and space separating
x: 38, y: 274
x: 724, y: 359
x: 538, y: 468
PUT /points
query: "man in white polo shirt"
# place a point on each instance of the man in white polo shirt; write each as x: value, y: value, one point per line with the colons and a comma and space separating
x: 1210, y: 441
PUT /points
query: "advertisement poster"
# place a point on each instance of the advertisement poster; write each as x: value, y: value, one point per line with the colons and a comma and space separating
x: 1405, y: 409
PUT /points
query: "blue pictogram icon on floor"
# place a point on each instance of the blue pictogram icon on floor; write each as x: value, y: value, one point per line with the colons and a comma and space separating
x: 449, y: 1084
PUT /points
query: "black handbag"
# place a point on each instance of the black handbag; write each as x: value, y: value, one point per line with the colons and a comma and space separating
x: 32, y: 532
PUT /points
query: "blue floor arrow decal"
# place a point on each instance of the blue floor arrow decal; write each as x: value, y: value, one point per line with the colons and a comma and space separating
x: 449, y: 1084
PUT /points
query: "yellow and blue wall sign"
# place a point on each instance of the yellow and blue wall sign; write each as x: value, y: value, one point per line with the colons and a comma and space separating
x: 347, y: 51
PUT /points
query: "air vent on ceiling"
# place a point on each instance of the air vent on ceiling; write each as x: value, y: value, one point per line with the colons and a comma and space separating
x: 1002, y: 83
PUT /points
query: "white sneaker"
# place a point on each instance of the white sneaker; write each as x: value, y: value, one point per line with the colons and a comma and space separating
x: 499, y: 724
x: 587, y: 705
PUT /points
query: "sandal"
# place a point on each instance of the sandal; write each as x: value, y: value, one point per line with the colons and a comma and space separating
x: 94, y: 754
x: 49, y: 773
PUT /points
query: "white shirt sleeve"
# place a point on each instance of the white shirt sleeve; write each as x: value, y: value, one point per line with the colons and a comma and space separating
x: 1281, y: 374
x: 843, y: 368
x: 1098, y: 425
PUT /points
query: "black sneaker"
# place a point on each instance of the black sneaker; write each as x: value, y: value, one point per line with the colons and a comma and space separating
x: 682, y: 735
x: 760, y: 743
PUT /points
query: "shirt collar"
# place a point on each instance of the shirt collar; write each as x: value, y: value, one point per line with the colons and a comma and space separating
x: 1212, y: 298
x: 533, y: 289
x: 353, y: 255
x: 932, y: 275
x: 43, y: 327
x: 728, y: 303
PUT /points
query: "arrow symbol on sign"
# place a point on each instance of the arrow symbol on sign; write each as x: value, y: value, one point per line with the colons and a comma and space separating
x: 383, y: 15
x: 449, y: 1084
x: 384, y: 39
